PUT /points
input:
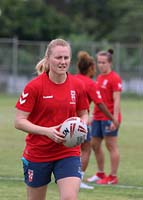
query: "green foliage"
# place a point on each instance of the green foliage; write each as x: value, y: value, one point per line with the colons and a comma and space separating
x: 129, y: 27
x: 97, y: 19
x: 32, y: 20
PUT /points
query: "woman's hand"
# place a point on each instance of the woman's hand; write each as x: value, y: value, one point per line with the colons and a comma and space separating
x: 54, y: 134
x: 114, y: 125
x: 22, y: 123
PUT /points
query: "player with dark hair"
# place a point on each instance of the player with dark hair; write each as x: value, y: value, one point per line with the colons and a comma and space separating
x: 110, y: 85
x: 44, y: 104
x: 87, y: 69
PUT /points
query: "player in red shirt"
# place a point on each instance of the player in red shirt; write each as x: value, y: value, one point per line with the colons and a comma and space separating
x: 87, y: 69
x: 44, y: 104
x: 110, y: 85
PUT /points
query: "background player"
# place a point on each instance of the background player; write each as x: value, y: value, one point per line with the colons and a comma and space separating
x: 110, y: 85
x: 87, y: 69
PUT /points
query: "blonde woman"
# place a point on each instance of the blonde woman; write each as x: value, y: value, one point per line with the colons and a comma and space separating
x: 44, y: 104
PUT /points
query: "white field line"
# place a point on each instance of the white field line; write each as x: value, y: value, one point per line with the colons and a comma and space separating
x: 130, y: 187
x: 118, y: 186
x: 121, y: 186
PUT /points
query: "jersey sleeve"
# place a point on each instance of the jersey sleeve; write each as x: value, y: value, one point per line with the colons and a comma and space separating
x: 94, y: 93
x: 27, y: 99
x: 117, y: 83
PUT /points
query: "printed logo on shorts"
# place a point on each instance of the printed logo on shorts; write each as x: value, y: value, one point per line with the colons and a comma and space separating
x: 79, y: 170
x: 30, y: 175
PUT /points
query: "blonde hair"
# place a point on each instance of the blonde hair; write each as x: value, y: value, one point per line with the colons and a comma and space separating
x: 42, y: 66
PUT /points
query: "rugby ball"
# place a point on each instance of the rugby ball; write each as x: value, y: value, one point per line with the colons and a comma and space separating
x: 75, y: 131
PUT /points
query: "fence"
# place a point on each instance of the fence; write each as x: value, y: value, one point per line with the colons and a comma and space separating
x: 18, y: 60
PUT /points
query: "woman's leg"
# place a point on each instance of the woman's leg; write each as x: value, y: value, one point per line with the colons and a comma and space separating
x: 69, y: 188
x: 36, y: 193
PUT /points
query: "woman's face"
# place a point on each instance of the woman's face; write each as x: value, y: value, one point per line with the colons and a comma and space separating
x: 59, y: 59
x: 103, y: 64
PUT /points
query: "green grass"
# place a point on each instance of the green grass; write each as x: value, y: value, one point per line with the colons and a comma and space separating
x: 130, y: 144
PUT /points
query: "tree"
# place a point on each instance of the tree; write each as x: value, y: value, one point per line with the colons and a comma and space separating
x: 129, y: 28
x: 32, y: 20
x: 94, y: 20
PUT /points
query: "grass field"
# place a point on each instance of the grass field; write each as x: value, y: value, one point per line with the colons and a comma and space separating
x: 130, y: 185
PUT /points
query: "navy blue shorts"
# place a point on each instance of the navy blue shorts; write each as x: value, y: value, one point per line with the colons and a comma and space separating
x: 88, y: 134
x: 37, y: 174
x: 100, y: 128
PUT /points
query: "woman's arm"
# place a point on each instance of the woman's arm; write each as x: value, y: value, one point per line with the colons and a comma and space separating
x: 105, y: 110
x: 22, y: 123
x: 83, y: 114
x: 117, y: 99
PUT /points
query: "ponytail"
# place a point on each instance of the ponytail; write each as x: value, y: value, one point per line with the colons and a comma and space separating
x: 41, y: 66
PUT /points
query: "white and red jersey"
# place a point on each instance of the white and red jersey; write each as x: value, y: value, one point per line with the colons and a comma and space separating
x: 108, y: 84
x: 92, y: 90
x: 49, y: 104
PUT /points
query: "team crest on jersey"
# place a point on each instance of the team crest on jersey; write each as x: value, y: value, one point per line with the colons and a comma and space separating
x: 73, y: 95
x: 104, y: 84
x: 23, y: 97
x: 30, y: 175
